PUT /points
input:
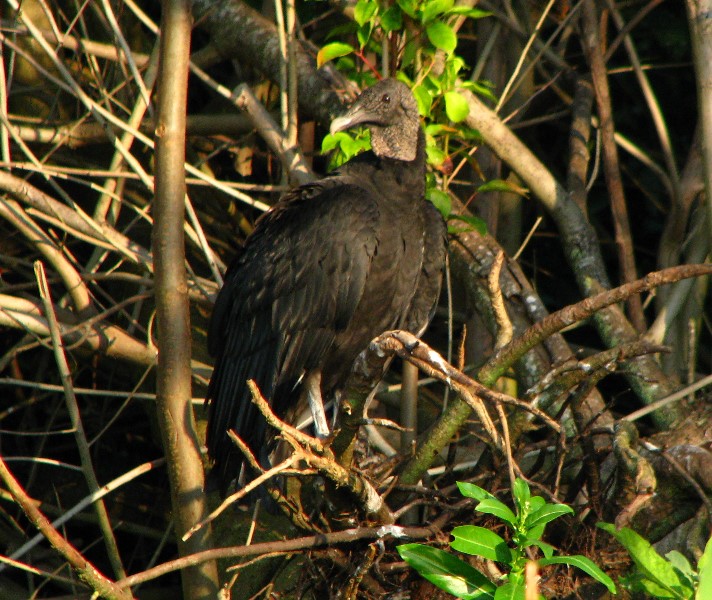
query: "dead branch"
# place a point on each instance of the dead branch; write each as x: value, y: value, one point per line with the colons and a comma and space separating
x: 504, y: 325
x: 346, y: 536
x: 258, y: 46
x: 611, y: 166
x: 293, y: 162
x: 86, y: 571
x: 580, y: 311
x: 92, y: 334
x: 317, y: 455
x: 75, y: 416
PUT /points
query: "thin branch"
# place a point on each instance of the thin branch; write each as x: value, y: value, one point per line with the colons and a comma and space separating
x: 87, y: 571
x: 291, y: 158
x: 346, y: 536
x: 106, y: 489
x: 504, y: 325
x: 75, y: 417
x: 611, y: 167
x: 314, y: 452
x: 12, y: 212
x: 580, y: 311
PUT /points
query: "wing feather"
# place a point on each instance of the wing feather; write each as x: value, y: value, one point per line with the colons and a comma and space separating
x: 294, y: 285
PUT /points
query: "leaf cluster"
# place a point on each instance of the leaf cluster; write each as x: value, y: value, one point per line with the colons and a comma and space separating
x: 425, y: 38
x: 526, y: 523
x: 671, y: 576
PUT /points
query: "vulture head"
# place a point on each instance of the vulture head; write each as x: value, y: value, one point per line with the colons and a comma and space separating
x: 389, y: 110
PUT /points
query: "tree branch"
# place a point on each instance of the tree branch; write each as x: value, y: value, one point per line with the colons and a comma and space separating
x: 173, y: 398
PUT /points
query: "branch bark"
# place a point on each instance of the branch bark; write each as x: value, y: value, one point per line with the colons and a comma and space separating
x: 87, y: 571
x: 258, y: 46
x: 624, y: 242
x: 175, y: 413
x: 581, y: 248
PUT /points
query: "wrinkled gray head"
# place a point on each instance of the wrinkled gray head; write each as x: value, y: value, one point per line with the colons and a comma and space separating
x: 391, y: 113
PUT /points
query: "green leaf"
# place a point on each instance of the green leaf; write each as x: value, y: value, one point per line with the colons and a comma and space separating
x: 436, y: 156
x: 650, y: 589
x: 479, y: 541
x: 441, y: 200
x: 453, y: 65
x: 435, y: 8
x: 392, y: 19
x: 329, y: 142
x: 363, y: 33
x: 500, y: 185
x: 521, y: 493
x: 480, y: 88
x: 683, y: 567
x: 441, y: 36
x: 583, y: 563
x: 546, y: 549
x: 546, y: 514
x: 492, y: 506
x: 332, y: 51
x: 424, y: 100
x: 511, y: 591
x: 473, y: 224
x: 456, y: 107
x: 447, y: 572
x: 364, y: 11
x: 535, y: 503
x: 470, y: 490
x: 346, y: 146
x: 409, y: 7
x: 434, y: 82
x: 679, y: 561
x: 704, y: 567
x: 648, y: 561
x: 467, y: 133
x: 472, y: 13
x: 435, y: 129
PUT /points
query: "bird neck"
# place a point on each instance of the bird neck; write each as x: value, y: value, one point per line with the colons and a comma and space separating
x: 409, y: 172
x: 396, y: 141
x: 381, y: 171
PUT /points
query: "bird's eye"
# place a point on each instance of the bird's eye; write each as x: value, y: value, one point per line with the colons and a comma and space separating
x: 385, y: 98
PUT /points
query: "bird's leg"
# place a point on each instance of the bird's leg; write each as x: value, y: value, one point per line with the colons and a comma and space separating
x: 312, y: 384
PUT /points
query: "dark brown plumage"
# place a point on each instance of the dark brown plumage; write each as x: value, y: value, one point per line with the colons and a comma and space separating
x: 333, y: 265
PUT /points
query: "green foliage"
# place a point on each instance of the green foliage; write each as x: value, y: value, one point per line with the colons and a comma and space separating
x: 345, y: 146
x: 431, y: 68
x: 447, y: 572
x: 332, y: 51
x: 425, y: 29
x: 526, y: 523
x: 671, y: 576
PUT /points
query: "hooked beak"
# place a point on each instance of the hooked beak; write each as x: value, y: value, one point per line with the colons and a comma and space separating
x: 356, y: 115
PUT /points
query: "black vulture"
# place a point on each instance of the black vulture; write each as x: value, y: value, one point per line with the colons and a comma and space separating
x: 331, y: 266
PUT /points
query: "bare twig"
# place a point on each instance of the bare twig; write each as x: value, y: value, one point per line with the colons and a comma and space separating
x: 583, y: 310
x: 504, y: 325
x: 292, y: 160
x: 592, y: 45
x: 12, y: 212
x: 69, y: 513
x: 86, y: 571
x: 75, y: 416
x: 289, y: 463
x: 346, y: 536
x: 319, y: 457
